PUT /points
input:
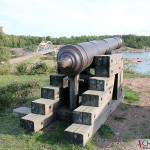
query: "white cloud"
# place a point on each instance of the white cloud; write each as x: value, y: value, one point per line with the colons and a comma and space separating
x: 75, y: 17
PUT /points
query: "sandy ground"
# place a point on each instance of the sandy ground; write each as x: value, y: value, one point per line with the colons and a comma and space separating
x: 136, y: 124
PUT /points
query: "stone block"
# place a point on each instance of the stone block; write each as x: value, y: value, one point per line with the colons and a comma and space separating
x: 21, y: 111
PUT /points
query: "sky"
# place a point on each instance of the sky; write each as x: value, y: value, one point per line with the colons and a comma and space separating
x: 58, y: 18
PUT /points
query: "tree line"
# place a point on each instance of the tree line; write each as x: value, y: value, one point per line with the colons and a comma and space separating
x: 15, y: 41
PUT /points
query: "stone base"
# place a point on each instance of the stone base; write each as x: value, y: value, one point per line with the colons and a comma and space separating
x: 21, y: 111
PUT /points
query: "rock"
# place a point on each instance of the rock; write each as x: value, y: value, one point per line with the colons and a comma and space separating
x: 21, y: 111
x: 117, y: 133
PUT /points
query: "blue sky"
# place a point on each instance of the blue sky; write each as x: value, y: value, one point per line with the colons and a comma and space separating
x: 75, y: 17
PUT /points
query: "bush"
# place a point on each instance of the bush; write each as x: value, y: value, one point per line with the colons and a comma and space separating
x: 16, y: 93
x: 22, y: 68
x: 40, y: 68
x: 130, y: 68
x: 4, y: 54
x: 4, y: 69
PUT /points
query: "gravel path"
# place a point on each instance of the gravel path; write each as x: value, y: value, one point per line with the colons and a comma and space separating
x: 19, y: 59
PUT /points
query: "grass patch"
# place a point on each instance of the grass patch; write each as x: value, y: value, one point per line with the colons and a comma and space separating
x: 131, y: 95
x: 8, y: 79
x: 119, y: 118
x: 105, y: 131
x: 38, y: 64
x: 12, y: 136
x: 135, y: 75
x: 15, y: 90
x: 124, y: 107
x: 16, y: 93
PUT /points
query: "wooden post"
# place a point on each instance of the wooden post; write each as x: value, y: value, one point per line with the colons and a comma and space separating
x: 74, y: 90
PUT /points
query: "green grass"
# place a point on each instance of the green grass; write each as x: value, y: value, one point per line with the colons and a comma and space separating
x: 119, y: 118
x: 135, y: 75
x: 130, y: 95
x: 124, y: 107
x: 13, y: 137
x: 7, y: 79
x: 105, y: 131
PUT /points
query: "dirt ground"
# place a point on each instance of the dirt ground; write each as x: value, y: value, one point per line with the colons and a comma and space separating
x: 136, y: 124
x: 20, y: 59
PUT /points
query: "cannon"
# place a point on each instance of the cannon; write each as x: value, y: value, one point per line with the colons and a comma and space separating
x: 76, y: 95
x: 73, y: 59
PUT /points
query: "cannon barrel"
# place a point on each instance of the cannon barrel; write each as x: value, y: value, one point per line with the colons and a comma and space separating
x: 73, y: 59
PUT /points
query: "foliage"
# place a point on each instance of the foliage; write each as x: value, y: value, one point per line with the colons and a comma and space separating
x: 131, y: 95
x: 22, y: 68
x: 2, y: 36
x: 40, y: 68
x: 15, y: 93
x: 4, y: 68
x: 29, y: 67
x: 135, y: 41
x: 130, y: 67
x: 105, y: 131
x: 29, y: 42
x: 4, y: 54
x: 17, y: 89
x: 52, y: 139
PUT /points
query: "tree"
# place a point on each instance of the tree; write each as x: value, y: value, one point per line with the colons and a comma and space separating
x: 2, y: 36
x: 4, y: 54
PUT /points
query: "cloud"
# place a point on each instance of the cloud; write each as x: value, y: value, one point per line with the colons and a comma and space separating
x: 75, y: 17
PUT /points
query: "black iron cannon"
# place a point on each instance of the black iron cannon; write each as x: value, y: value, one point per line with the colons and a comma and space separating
x: 74, y: 59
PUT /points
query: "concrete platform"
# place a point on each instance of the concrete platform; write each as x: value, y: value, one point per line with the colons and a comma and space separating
x: 21, y: 111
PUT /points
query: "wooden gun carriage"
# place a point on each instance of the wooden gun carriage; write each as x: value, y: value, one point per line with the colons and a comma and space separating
x: 75, y: 94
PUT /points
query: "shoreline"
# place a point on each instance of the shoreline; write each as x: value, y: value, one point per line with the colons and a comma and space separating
x: 135, y: 60
x: 131, y: 50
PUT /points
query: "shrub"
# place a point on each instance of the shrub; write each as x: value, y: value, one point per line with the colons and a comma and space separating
x: 16, y: 93
x: 4, y: 68
x: 4, y: 54
x: 40, y: 68
x: 22, y: 68
x: 130, y: 68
